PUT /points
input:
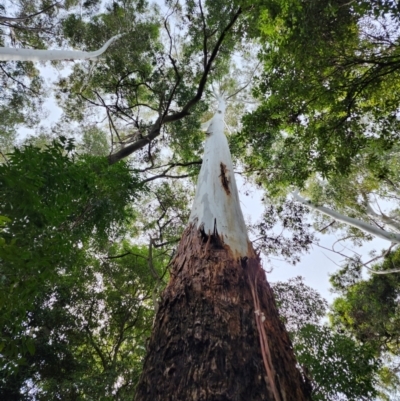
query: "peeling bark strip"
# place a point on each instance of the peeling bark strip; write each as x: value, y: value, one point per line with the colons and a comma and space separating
x: 205, y: 344
x: 216, y: 207
x: 224, y: 178
x: 265, y: 349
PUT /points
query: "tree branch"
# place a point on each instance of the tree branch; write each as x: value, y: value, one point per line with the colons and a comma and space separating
x: 4, y: 18
x: 361, y: 225
x: 10, y: 54
x: 18, y: 82
x: 156, y: 128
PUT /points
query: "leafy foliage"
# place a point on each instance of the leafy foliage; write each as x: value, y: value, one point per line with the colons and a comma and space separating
x: 23, y: 24
x: 76, y: 296
x: 369, y: 309
x: 290, y: 216
x: 326, y: 68
x: 338, y: 367
x: 298, y: 304
x: 57, y: 205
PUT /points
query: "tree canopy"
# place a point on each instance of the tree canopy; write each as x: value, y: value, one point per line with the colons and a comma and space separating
x: 93, y: 203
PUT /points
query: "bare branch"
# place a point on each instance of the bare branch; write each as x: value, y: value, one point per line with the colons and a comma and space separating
x: 165, y: 175
x: 357, y: 261
x: 18, y: 82
x: 4, y: 18
x: 203, y: 20
x: 108, y: 115
x: 245, y: 85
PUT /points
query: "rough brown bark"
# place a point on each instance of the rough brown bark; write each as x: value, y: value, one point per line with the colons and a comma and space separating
x: 205, y: 344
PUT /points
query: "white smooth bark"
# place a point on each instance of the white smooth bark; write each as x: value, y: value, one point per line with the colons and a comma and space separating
x: 12, y: 54
x: 392, y: 237
x: 216, y: 207
x: 388, y: 221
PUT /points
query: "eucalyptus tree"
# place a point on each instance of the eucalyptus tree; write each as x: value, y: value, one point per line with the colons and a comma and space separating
x: 217, y: 318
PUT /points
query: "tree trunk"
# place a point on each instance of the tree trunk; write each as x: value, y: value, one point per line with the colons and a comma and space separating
x: 217, y: 335
x: 206, y: 344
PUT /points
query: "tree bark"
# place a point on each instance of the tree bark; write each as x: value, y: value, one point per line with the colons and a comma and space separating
x: 210, y: 341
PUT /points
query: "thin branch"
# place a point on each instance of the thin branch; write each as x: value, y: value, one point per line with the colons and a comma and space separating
x: 178, y: 76
x: 174, y: 241
x: 357, y: 261
x: 119, y: 256
x: 247, y: 84
x: 18, y: 82
x: 169, y: 165
x: 27, y: 28
x: 108, y: 115
x: 327, y: 226
x: 164, y: 173
x: 4, y: 18
x: 205, y: 53
x: 165, y: 176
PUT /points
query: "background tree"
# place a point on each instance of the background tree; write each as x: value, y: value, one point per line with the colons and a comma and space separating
x: 326, y: 123
x: 337, y: 366
x: 326, y: 68
x: 368, y: 310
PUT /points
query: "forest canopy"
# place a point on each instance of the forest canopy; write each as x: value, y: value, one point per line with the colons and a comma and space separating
x: 99, y: 159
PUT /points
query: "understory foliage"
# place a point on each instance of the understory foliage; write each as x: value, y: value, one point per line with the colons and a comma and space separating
x: 93, y: 205
x: 66, y: 309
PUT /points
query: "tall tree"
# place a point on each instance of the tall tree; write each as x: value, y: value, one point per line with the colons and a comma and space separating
x: 217, y: 334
